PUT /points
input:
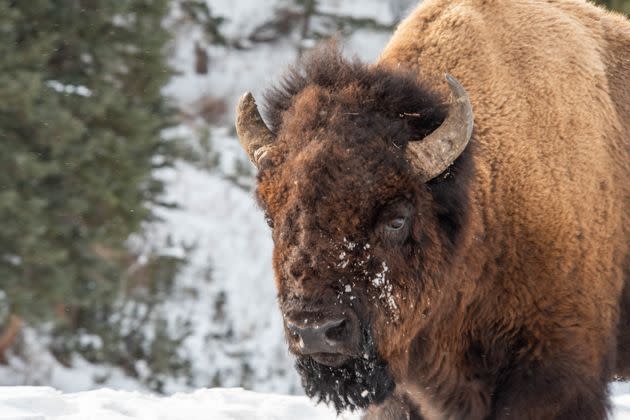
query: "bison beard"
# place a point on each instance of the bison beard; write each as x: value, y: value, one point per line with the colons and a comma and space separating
x: 358, y: 383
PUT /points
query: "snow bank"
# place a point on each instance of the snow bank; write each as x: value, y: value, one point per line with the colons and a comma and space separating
x: 35, y: 403
x: 229, y: 252
x: 232, y: 72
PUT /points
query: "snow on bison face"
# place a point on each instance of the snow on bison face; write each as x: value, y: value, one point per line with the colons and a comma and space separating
x: 357, y: 229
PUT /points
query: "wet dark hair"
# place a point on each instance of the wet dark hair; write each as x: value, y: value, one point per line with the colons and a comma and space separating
x: 391, y: 93
x: 360, y: 382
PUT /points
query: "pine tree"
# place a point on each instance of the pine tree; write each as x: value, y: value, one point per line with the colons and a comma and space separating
x: 81, y: 112
x: 619, y: 5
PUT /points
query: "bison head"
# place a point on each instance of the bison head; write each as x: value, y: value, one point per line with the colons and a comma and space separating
x: 352, y: 179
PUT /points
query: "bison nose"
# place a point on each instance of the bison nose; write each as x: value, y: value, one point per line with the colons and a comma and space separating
x: 327, y: 336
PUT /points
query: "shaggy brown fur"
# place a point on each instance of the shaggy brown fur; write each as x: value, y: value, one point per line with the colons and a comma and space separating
x: 501, y: 298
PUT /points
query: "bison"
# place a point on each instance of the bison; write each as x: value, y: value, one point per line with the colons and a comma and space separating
x: 456, y: 248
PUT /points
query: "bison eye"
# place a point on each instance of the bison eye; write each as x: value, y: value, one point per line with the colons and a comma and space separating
x: 396, y: 224
x: 269, y: 221
x: 395, y: 221
x: 396, y: 229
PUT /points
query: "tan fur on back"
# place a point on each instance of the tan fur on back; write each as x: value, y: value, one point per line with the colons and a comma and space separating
x: 550, y: 86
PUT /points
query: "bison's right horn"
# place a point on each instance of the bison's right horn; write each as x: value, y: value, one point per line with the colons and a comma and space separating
x: 253, y: 133
x: 433, y: 154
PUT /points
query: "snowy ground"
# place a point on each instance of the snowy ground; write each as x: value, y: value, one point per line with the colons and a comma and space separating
x: 32, y: 403
x: 42, y: 403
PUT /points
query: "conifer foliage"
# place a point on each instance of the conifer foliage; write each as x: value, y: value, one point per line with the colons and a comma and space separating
x: 619, y: 5
x: 81, y: 112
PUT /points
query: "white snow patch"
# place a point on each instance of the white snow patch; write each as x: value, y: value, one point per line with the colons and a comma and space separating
x: 69, y: 89
x: 349, y: 244
x: 34, y: 403
x: 37, y: 366
x: 382, y: 283
x: 43, y: 403
x: 228, y: 247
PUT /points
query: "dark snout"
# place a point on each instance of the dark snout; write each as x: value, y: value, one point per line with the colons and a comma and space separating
x: 326, y: 337
x: 328, y: 340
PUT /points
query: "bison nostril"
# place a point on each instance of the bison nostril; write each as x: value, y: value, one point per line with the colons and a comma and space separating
x: 337, y: 333
x: 332, y: 336
x: 293, y: 329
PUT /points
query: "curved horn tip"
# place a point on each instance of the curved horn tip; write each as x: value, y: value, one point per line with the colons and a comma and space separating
x: 254, y: 135
x: 246, y: 99
x: 462, y: 96
x: 437, y: 151
x: 455, y: 85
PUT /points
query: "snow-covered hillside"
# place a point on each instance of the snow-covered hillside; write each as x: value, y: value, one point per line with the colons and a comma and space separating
x: 229, y: 263
x: 234, y: 71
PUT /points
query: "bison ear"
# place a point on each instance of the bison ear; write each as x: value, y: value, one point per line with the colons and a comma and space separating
x: 433, y: 154
x: 253, y: 133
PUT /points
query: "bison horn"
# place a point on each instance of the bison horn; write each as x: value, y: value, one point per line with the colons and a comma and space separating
x: 253, y: 133
x: 436, y: 152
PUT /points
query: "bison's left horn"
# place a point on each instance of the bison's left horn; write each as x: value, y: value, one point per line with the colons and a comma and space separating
x: 435, y: 153
x: 253, y: 133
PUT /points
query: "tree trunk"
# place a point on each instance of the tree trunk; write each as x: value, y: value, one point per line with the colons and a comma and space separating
x: 10, y: 333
